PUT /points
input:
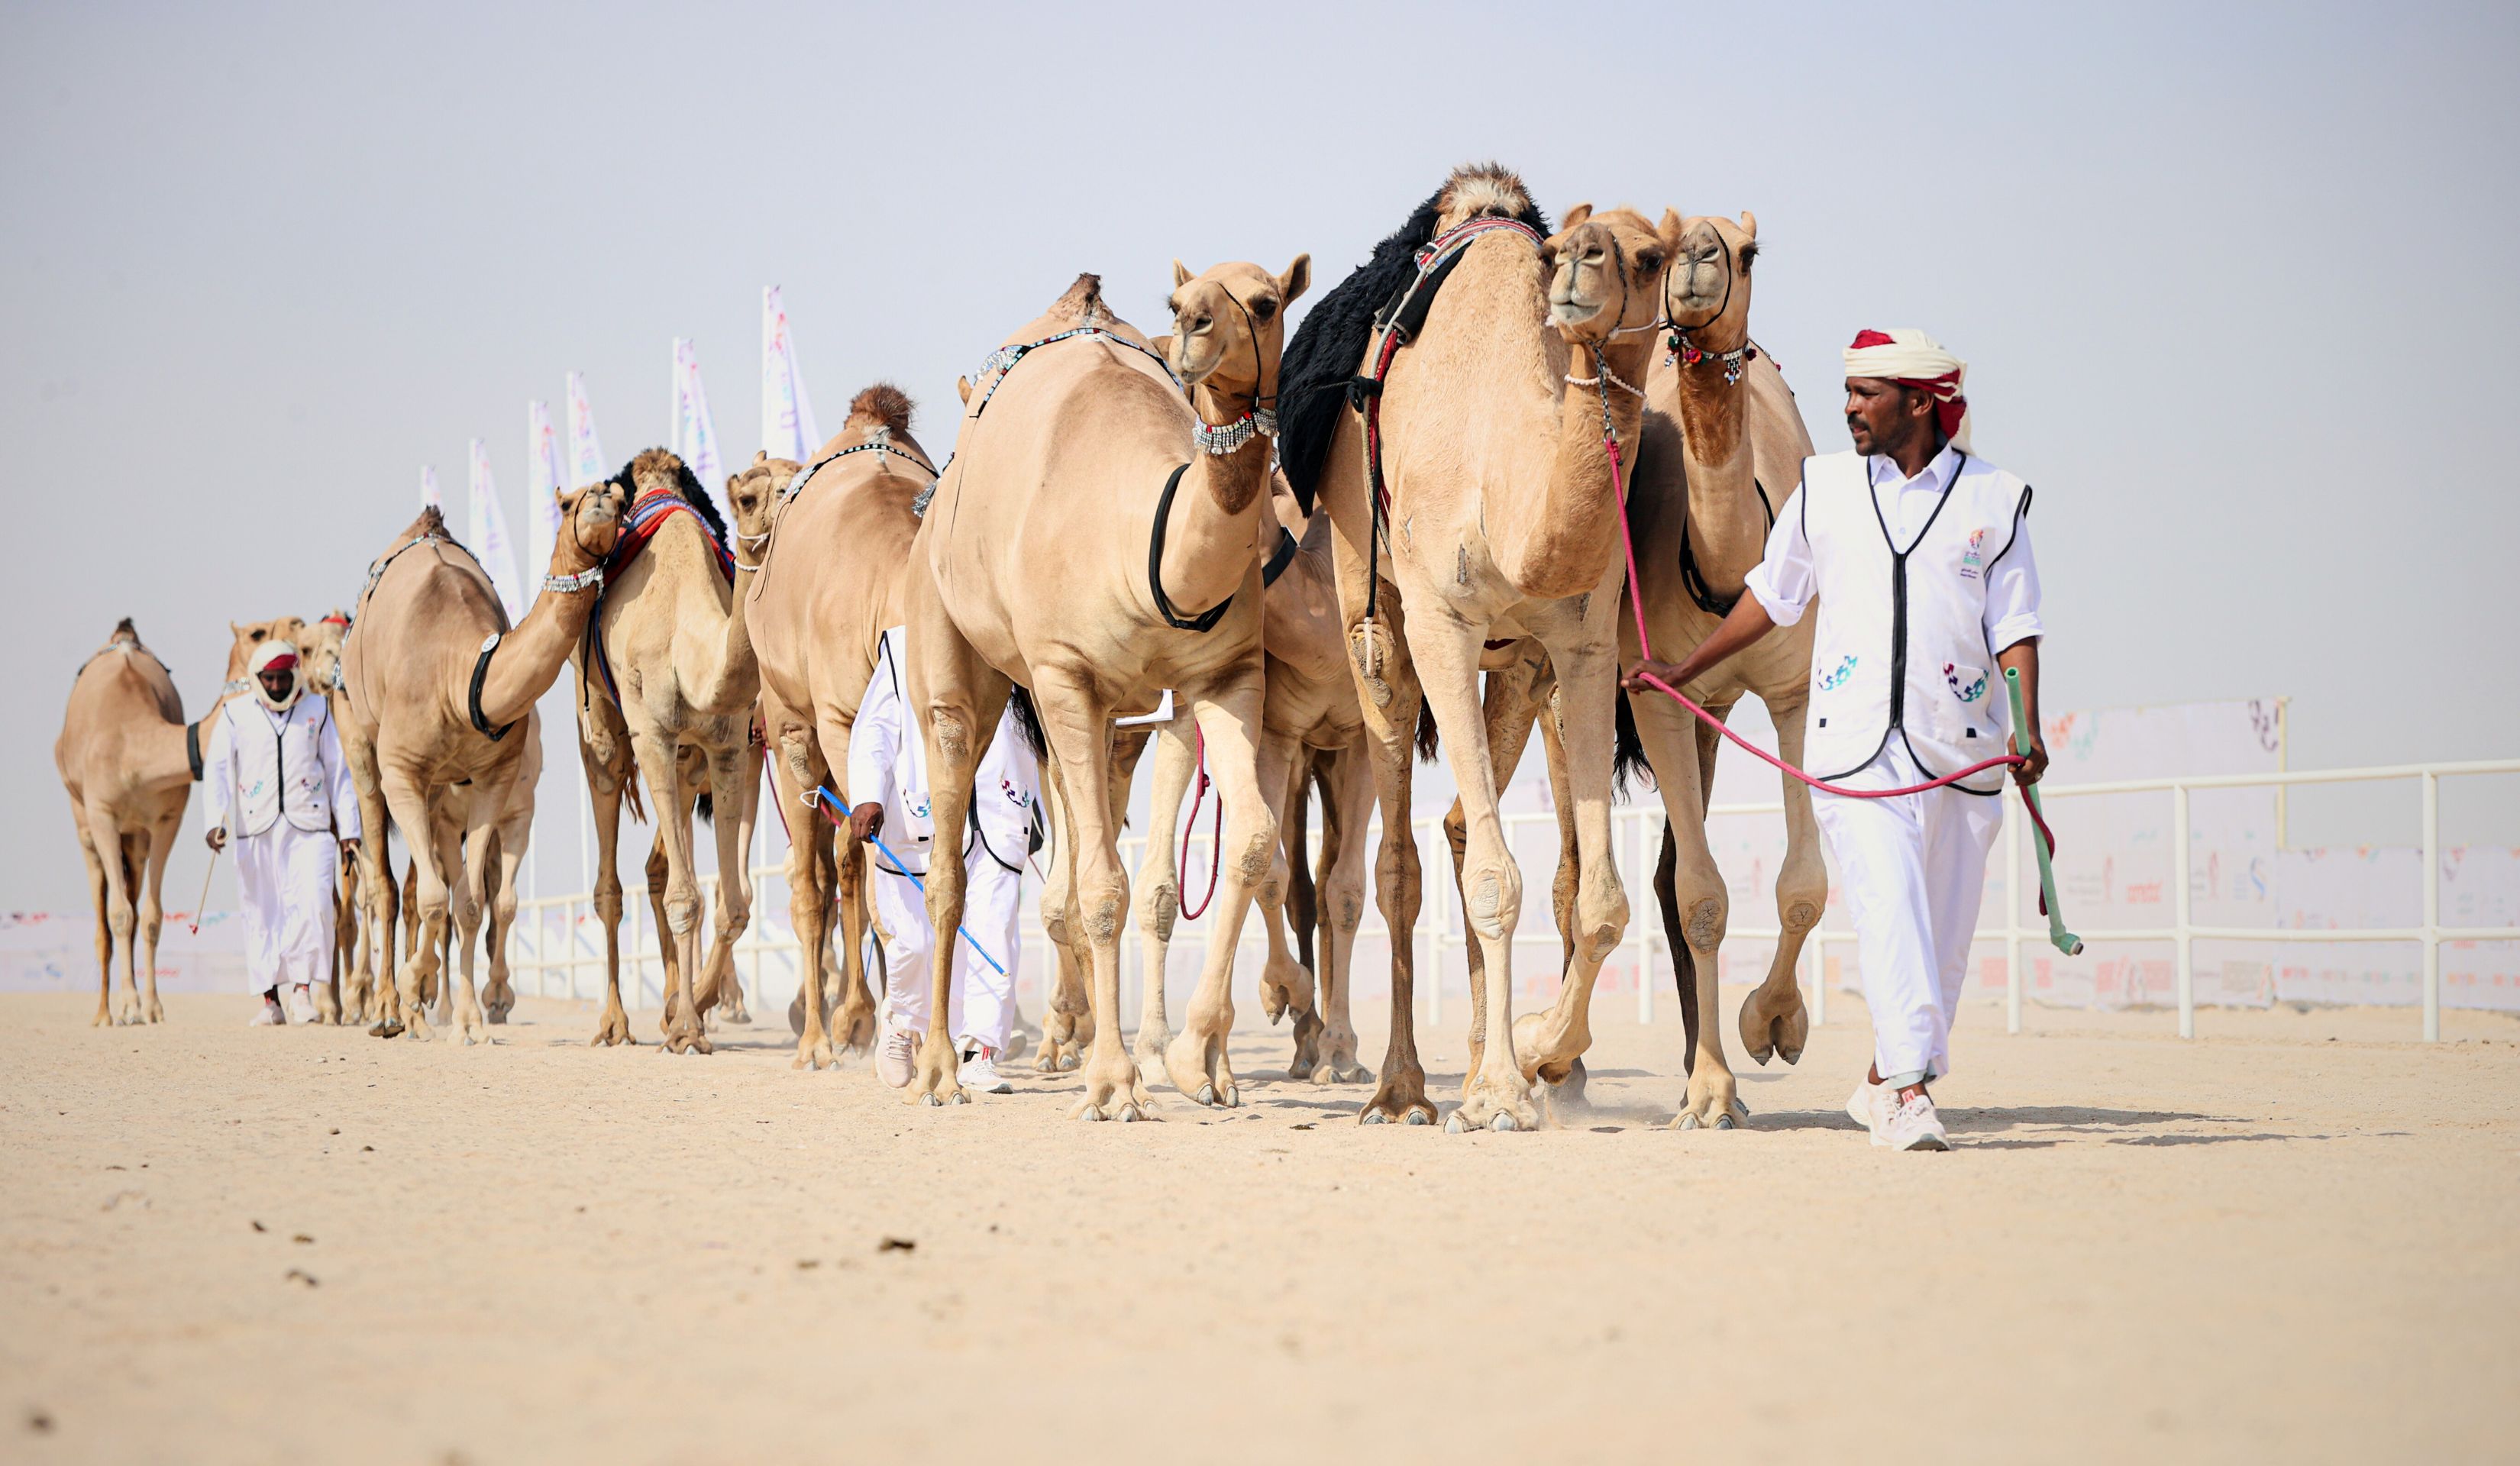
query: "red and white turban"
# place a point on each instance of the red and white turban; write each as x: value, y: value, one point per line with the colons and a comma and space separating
x: 274, y: 656
x: 1913, y: 359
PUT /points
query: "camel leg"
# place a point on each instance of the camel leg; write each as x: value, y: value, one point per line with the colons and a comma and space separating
x: 603, y: 786
x: 1300, y: 908
x: 1699, y: 901
x: 960, y: 700
x: 119, y: 918
x: 1494, y: 1094
x: 1348, y: 794
x: 1066, y: 1015
x: 1398, y: 889
x: 1508, y: 706
x: 507, y: 844
x: 659, y: 872
x: 1773, y: 1020
x: 153, y: 911
x: 98, y: 890
x: 338, y: 999
x: 1080, y: 735
x: 472, y: 903
x: 1284, y: 982
x: 1551, y: 1042
x: 1229, y: 717
x: 795, y: 768
x: 379, y: 895
x: 1159, y: 893
x: 719, y: 987
x: 410, y: 806
x: 680, y: 913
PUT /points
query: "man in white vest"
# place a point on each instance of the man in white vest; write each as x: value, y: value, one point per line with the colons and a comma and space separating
x: 888, y: 777
x: 1919, y: 553
x: 274, y: 777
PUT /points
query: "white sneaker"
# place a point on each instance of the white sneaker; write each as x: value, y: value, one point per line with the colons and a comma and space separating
x: 301, y: 1004
x: 269, y: 1015
x: 1910, y: 1125
x: 896, y: 1060
x: 980, y: 1074
x: 1865, y: 1106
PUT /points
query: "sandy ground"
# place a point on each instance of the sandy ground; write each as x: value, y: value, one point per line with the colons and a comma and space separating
x: 2297, y: 1236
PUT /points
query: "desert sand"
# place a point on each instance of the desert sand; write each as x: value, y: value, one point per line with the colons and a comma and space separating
x: 2297, y: 1237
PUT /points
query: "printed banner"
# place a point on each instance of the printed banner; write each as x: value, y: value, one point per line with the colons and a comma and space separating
x: 542, y: 486
x: 787, y: 428
x: 429, y: 489
x: 585, y: 451
x: 488, y: 540
x: 695, y: 431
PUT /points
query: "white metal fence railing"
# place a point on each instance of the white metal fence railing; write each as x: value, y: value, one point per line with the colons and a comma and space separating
x: 558, y: 937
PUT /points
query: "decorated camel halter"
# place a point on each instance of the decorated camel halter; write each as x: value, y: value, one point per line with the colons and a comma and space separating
x: 882, y: 444
x: 1260, y: 421
x: 1003, y: 360
x: 1680, y: 351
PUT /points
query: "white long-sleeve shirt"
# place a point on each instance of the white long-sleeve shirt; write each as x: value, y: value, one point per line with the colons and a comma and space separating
x: 305, y: 750
x: 1784, y: 579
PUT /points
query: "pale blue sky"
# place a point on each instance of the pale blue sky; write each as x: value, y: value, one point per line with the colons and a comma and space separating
x: 2233, y: 280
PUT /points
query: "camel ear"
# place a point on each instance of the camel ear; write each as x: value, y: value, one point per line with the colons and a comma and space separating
x: 759, y: 456
x: 234, y: 630
x: 1749, y: 223
x: 962, y: 385
x: 1181, y: 275
x: 1670, y: 230
x: 1295, y: 281
x: 1574, y: 217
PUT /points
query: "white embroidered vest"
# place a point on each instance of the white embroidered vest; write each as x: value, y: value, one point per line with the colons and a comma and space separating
x: 1900, y: 649
x: 280, y: 769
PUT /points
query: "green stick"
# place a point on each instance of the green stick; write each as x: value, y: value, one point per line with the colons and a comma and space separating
x: 2065, y: 941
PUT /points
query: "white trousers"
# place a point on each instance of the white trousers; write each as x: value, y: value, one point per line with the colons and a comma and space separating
x: 1914, y: 869
x: 982, y: 1009
x: 284, y: 881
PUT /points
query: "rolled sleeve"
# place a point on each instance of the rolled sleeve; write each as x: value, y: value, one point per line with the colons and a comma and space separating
x: 1782, y: 580
x: 2012, y: 594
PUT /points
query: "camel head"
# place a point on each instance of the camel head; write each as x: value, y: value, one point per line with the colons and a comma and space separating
x: 248, y: 634
x: 1707, y: 292
x: 1605, y: 271
x: 1230, y: 326
x: 755, y: 496
x: 320, y: 651
x: 590, y: 523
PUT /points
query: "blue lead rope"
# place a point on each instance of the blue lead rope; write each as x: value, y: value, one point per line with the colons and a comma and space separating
x: 901, y: 867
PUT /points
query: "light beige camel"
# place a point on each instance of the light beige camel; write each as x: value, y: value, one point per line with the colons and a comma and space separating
x: 1502, y: 524
x: 347, y: 997
x: 829, y: 587
x: 1096, y: 541
x: 438, y: 681
x: 670, y: 683
x: 1312, y: 726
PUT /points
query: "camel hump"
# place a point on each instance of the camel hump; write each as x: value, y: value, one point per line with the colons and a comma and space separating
x: 124, y: 630
x: 882, y: 405
x: 658, y: 469
x: 1083, y: 300
x: 1478, y: 189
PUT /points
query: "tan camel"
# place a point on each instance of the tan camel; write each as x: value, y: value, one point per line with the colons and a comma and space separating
x: 1096, y: 541
x: 1312, y: 726
x: 347, y: 997
x: 1502, y: 524
x: 670, y: 683
x: 829, y: 587
x: 438, y: 681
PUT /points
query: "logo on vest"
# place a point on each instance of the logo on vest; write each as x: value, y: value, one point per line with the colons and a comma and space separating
x: 1966, y: 692
x: 1835, y: 677
x: 1973, y: 557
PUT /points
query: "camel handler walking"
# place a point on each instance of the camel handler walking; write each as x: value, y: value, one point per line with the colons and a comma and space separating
x: 273, y: 770
x: 1919, y: 553
x: 888, y: 772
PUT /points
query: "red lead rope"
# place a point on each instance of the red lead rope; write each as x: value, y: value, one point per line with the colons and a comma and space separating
x: 1635, y: 602
x: 1215, y: 839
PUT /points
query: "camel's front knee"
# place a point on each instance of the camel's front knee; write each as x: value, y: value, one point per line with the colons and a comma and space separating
x: 681, y: 907
x: 1601, y: 912
x: 1492, y: 895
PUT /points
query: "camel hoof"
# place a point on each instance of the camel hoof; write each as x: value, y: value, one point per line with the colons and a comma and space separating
x: 932, y: 1101
x: 1093, y: 1113
x: 1725, y: 1122
x: 1417, y: 1116
x: 1687, y: 1122
x: 1376, y: 1117
x: 1454, y: 1126
x: 1503, y: 1123
x: 386, y: 1029
x: 1207, y: 1094
x: 1130, y: 1114
x: 961, y: 1096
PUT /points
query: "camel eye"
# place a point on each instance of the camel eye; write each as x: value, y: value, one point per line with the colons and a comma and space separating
x: 1172, y: 305
x: 1263, y: 308
x: 1648, y: 260
x: 1750, y: 255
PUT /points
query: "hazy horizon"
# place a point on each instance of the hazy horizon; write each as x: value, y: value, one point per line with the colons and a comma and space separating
x: 2216, y: 271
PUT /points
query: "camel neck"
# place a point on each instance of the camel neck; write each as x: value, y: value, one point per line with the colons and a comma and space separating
x: 1562, y: 541
x: 531, y: 656
x: 1212, y: 537
x: 1726, y: 525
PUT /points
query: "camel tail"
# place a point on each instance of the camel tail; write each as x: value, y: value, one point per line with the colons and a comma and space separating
x: 705, y: 807
x: 1426, y: 734
x: 882, y: 405
x: 1628, y: 758
x: 1684, y: 963
x: 1028, y: 721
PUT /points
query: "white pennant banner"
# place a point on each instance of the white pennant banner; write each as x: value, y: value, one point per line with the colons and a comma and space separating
x: 489, y: 536
x: 695, y: 432
x: 787, y: 428
x: 542, y: 486
x: 429, y: 489
x: 585, y: 453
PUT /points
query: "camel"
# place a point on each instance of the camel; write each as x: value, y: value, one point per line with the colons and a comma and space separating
x: 1312, y: 726
x: 436, y: 682
x: 347, y: 998
x: 827, y: 588
x: 1096, y: 541
x: 1723, y: 444
x: 670, y: 683
x: 1502, y: 524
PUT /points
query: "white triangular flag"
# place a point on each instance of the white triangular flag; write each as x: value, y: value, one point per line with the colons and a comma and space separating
x: 542, y: 486
x: 489, y: 536
x: 695, y: 432
x: 787, y: 416
x: 585, y: 453
x: 429, y: 489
